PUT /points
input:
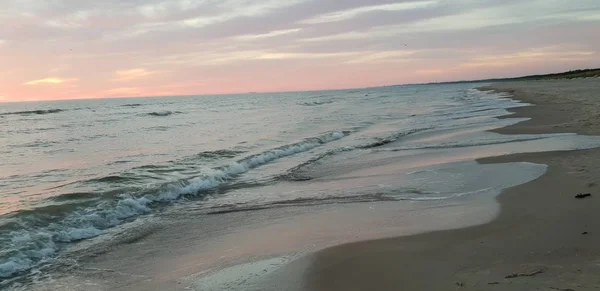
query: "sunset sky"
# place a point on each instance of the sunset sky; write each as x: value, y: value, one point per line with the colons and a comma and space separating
x: 51, y: 49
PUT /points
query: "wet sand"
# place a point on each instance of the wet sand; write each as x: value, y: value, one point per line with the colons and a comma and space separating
x: 543, y: 239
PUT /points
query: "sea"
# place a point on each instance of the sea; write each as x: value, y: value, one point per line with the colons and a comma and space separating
x: 74, y: 172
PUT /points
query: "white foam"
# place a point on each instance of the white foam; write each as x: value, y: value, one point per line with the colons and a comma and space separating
x: 28, y: 249
x: 13, y: 266
x: 74, y: 234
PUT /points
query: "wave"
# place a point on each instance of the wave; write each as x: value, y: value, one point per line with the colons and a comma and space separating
x: 316, y: 103
x: 34, y: 112
x: 295, y: 173
x: 132, y: 105
x: 33, y: 245
x: 223, y: 209
x: 218, y: 154
x: 113, y: 179
x: 392, y: 138
x: 36, y: 144
x: 163, y: 113
x: 140, y: 174
x: 205, y: 156
x: 400, y: 195
x: 75, y: 196
x: 462, y: 144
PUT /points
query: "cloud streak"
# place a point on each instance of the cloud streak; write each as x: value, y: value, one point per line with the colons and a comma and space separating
x: 132, y: 74
x: 53, y: 81
x: 354, y: 12
x: 274, y: 33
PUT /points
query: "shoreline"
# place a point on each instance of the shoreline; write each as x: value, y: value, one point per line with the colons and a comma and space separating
x: 542, y: 239
x: 279, y: 248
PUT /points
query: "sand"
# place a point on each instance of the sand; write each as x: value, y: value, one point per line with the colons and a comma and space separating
x: 543, y: 239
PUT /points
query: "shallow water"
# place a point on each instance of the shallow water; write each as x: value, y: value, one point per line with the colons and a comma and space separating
x: 73, y: 170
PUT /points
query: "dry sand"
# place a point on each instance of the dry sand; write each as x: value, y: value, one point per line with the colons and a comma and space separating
x: 543, y: 239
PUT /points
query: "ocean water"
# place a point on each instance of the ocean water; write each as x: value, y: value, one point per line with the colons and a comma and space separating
x: 74, y: 170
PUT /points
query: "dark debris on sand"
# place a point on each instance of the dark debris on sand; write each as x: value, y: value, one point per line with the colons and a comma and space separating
x: 530, y: 274
x: 583, y: 195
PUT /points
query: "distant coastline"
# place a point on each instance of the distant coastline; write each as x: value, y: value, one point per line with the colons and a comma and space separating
x: 573, y: 74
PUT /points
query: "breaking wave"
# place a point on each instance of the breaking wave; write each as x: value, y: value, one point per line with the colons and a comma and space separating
x: 37, y: 241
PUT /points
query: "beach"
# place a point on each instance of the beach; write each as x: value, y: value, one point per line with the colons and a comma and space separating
x: 389, y: 194
x: 194, y: 145
x: 543, y: 239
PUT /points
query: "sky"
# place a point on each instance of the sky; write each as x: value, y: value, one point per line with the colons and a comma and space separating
x: 67, y: 49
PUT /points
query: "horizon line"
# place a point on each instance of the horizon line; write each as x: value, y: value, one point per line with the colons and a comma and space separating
x: 312, y: 90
